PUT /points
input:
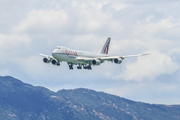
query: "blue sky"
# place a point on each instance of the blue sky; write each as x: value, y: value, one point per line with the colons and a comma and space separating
x: 28, y: 28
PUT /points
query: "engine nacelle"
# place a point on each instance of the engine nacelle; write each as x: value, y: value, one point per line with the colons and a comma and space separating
x: 118, y: 60
x: 54, y: 62
x: 96, y: 62
x: 47, y: 60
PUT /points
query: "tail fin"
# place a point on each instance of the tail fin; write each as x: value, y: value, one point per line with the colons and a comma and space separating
x: 105, y: 48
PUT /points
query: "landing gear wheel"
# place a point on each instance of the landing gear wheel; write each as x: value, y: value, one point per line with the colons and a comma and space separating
x: 87, y: 67
x: 71, y: 67
x: 78, y: 67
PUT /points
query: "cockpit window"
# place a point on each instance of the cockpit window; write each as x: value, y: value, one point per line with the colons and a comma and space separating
x: 57, y: 47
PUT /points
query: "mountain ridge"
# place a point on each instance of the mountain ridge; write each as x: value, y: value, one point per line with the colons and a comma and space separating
x: 20, y: 100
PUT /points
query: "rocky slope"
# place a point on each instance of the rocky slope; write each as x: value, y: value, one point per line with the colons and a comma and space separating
x: 20, y: 101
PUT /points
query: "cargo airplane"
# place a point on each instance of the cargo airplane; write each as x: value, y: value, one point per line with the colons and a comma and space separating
x: 84, y: 59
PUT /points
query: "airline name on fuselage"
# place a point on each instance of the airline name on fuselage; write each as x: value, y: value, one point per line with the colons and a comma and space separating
x: 71, y: 53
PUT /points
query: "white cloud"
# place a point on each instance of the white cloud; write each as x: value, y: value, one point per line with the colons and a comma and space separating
x: 149, y: 18
x: 98, y: 4
x: 92, y: 20
x: 47, y: 19
x: 90, y: 17
x: 86, y: 19
x: 150, y: 29
x: 119, y: 6
x: 10, y: 42
x: 88, y: 42
x: 148, y: 67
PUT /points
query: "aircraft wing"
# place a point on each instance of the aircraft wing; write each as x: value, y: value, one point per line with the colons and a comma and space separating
x: 136, y: 55
x: 109, y: 58
x: 46, y: 55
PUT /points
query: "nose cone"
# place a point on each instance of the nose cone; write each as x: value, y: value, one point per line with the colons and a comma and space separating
x: 54, y: 53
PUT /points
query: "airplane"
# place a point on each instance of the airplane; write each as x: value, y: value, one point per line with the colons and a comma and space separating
x: 84, y: 59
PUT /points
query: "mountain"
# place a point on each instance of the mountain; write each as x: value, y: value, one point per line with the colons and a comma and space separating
x: 21, y: 101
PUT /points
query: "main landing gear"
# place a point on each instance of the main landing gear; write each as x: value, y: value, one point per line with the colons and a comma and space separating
x: 88, y: 67
x: 79, y: 67
x: 70, y: 66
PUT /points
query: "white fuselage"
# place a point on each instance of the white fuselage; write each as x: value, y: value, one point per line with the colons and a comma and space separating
x: 84, y: 59
x: 68, y: 55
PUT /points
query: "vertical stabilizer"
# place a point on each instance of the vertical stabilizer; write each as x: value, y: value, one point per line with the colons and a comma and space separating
x: 105, y: 47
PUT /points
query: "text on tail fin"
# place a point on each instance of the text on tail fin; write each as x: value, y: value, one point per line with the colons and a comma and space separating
x: 105, y: 48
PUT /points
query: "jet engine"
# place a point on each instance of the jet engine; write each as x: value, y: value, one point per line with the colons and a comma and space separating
x: 96, y: 62
x: 47, y: 60
x: 118, y: 60
x: 55, y: 62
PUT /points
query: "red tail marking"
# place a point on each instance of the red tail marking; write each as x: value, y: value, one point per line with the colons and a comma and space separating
x: 107, y: 48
